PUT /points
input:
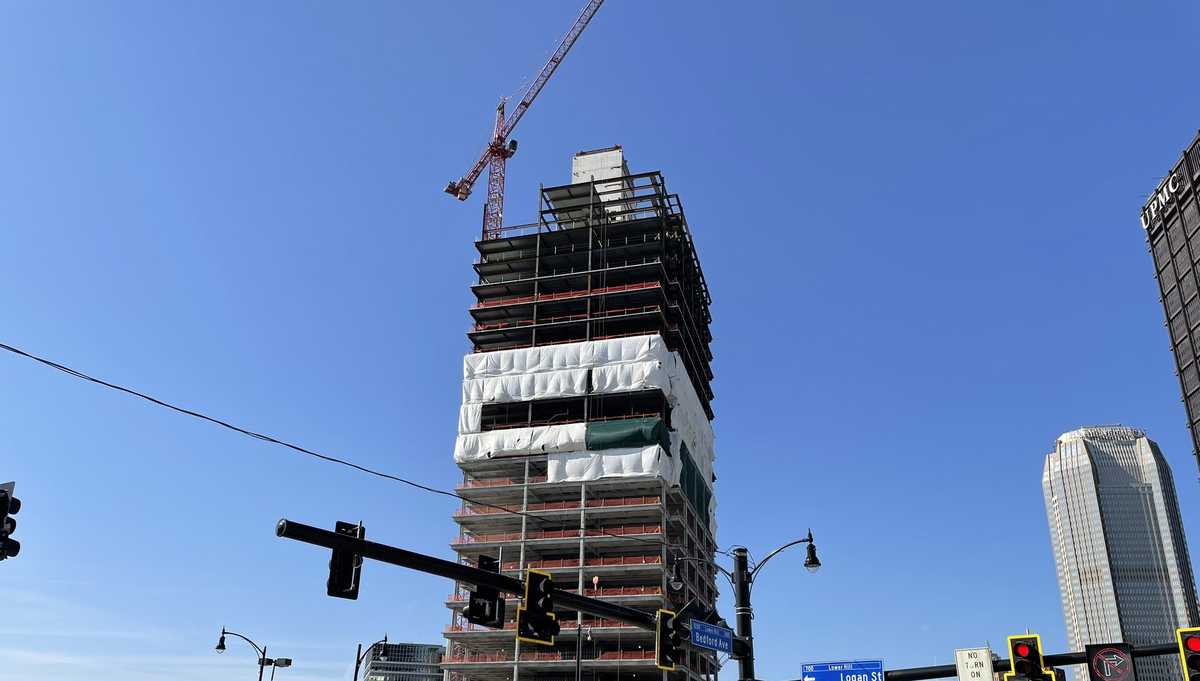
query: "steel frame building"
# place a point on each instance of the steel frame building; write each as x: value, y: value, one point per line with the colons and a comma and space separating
x: 610, y: 263
x: 1171, y: 219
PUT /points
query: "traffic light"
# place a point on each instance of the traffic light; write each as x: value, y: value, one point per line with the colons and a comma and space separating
x: 345, y: 567
x: 1189, y: 652
x: 9, y: 505
x: 536, y: 622
x: 668, y: 641
x: 484, y: 604
x: 1025, y: 652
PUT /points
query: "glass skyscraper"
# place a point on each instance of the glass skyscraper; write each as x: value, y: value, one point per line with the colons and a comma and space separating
x: 1119, y: 547
x: 1171, y: 218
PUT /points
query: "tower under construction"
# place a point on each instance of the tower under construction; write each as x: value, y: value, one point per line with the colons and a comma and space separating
x: 585, y: 437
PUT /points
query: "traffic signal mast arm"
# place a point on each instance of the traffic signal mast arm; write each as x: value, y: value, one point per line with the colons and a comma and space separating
x: 1060, y: 660
x: 463, y: 573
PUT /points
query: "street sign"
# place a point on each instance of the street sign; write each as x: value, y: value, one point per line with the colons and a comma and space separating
x: 974, y: 664
x: 1110, y: 662
x: 712, y: 637
x: 858, y: 670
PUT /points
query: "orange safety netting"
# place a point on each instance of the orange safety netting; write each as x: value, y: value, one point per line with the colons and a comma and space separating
x: 559, y: 534
x: 565, y: 295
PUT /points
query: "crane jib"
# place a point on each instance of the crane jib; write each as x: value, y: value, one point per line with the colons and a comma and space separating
x: 461, y: 188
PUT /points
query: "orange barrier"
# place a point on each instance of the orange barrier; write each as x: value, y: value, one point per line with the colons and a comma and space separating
x: 597, y: 623
x: 514, y: 346
x: 627, y: 655
x: 547, y: 657
x: 501, y: 482
x: 590, y: 562
x: 566, y: 295
x: 620, y: 530
x: 556, y: 505
x: 488, y: 326
x: 592, y: 593
x: 623, y: 591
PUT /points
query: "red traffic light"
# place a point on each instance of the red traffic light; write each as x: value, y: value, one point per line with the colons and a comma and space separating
x: 1192, y: 643
x: 1023, y: 649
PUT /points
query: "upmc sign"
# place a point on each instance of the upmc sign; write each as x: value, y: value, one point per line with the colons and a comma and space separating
x: 1162, y: 197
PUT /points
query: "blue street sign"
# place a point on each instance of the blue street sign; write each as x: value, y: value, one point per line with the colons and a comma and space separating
x: 859, y: 670
x: 713, y: 637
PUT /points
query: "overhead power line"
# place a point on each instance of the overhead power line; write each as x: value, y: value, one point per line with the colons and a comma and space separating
x: 297, y: 448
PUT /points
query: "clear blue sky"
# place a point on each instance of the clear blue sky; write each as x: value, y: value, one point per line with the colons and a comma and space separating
x: 919, y: 223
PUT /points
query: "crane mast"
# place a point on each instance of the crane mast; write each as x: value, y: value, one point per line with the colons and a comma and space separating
x: 500, y: 148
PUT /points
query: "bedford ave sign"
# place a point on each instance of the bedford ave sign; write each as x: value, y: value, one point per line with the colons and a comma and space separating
x: 1163, y: 196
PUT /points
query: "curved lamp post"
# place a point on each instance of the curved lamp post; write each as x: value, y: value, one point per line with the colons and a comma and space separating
x: 363, y: 653
x: 742, y: 579
x: 263, y: 660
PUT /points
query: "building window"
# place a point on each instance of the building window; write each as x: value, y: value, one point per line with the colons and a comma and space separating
x: 694, y: 487
x: 1178, y: 326
x: 1190, y: 378
x: 1183, y: 352
x: 1173, y: 303
x: 1166, y: 278
x: 1193, y: 311
x: 1193, y: 403
x: 1191, y: 216
x: 1162, y: 252
x: 1175, y: 232
x: 1187, y: 285
x: 1183, y: 263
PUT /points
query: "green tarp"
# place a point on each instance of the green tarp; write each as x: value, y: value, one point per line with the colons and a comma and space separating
x: 652, y: 431
x: 693, y: 485
x: 628, y: 433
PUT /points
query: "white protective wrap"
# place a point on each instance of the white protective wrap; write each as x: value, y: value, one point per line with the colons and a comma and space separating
x: 522, y: 387
x: 568, y: 437
x: 551, y: 371
x: 470, y: 417
x: 611, y: 463
x: 563, y: 356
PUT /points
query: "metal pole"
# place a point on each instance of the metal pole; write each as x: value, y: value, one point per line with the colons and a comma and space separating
x: 578, y: 650
x: 261, y: 662
x: 743, y: 611
x: 357, y: 661
x: 463, y: 573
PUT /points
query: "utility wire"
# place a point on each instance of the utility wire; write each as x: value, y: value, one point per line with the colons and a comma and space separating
x: 267, y: 438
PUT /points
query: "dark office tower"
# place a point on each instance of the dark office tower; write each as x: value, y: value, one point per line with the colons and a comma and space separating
x: 584, y: 438
x: 1171, y: 219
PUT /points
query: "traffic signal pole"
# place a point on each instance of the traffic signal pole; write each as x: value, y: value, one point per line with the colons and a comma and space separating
x: 743, y: 612
x: 463, y: 573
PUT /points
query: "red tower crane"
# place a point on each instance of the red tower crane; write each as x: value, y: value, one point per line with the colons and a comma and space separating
x: 500, y: 148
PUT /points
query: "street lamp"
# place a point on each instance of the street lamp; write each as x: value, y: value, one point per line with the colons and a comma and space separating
x: 742, y: 579
x: 361, y: 654
x: 811, y: 562
x: 263, y: 660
